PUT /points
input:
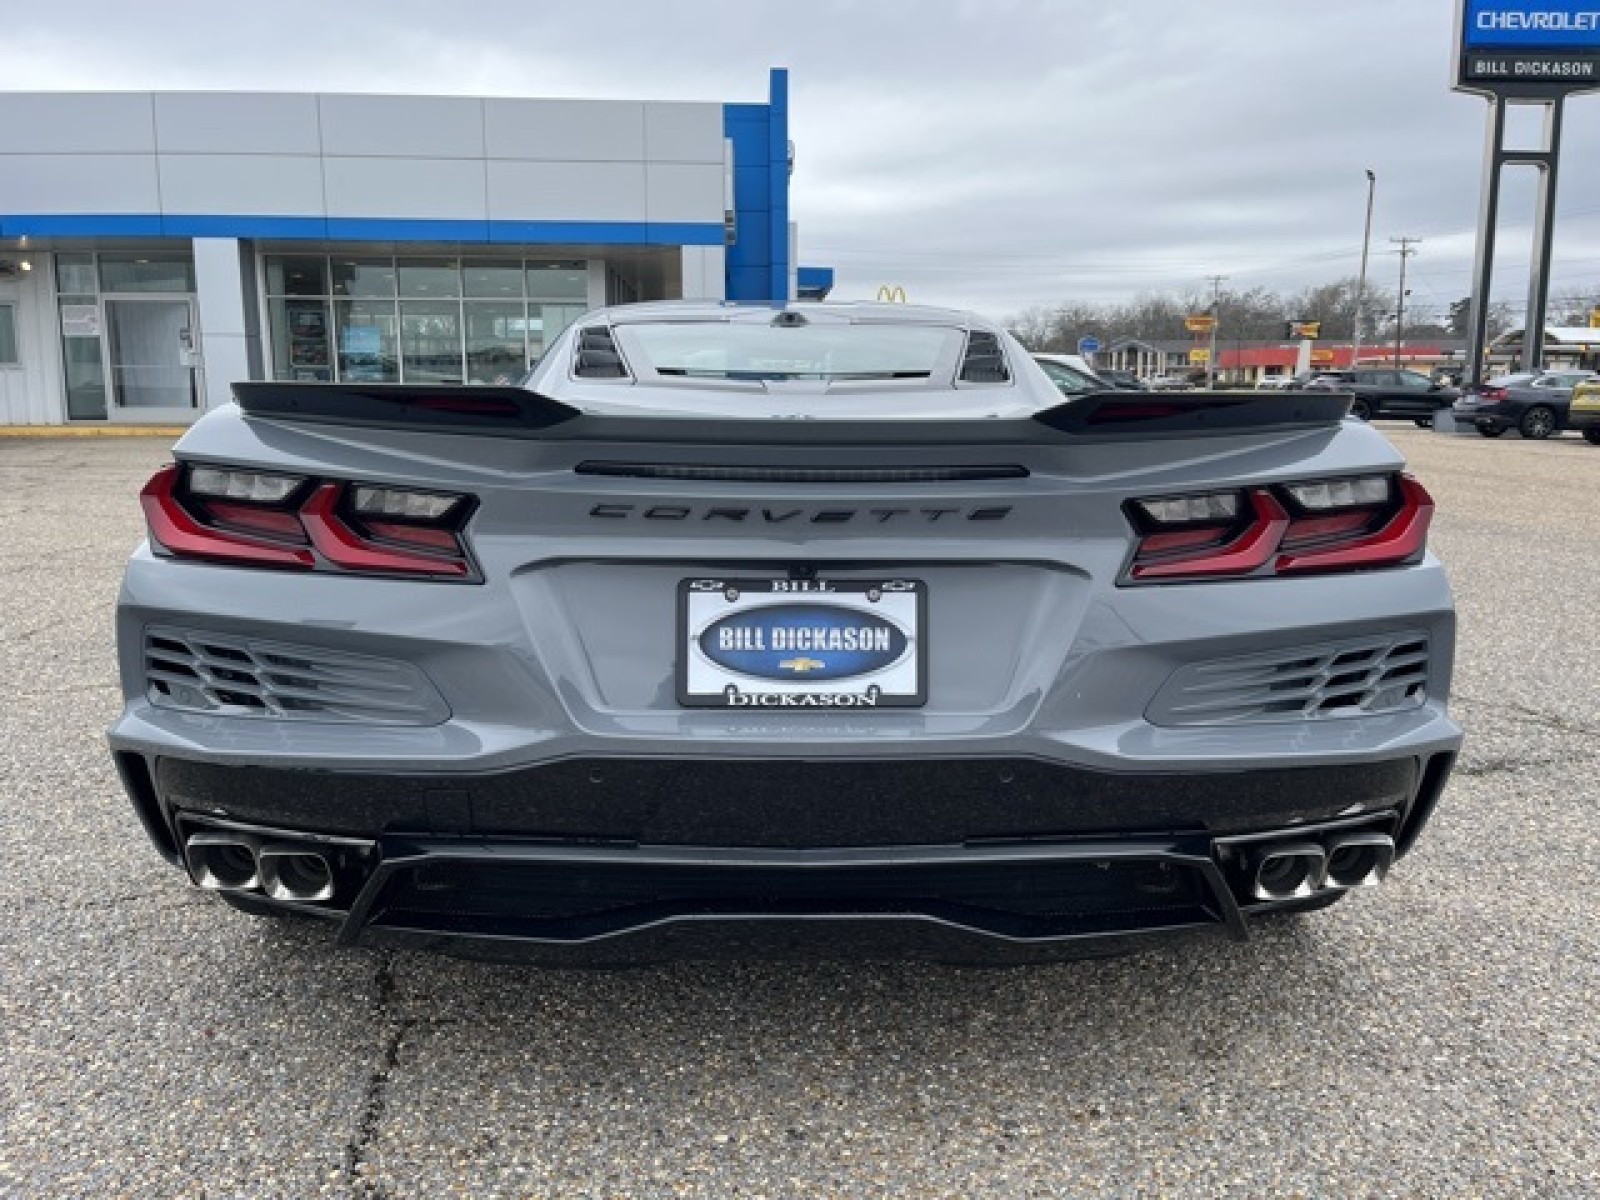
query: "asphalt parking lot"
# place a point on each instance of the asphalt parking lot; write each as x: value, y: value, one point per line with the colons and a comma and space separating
x: 1436, y: 1037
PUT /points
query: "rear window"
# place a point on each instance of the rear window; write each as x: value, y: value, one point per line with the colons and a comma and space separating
x: 717, y: 350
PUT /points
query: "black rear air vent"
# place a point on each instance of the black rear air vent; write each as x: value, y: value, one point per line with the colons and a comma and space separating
x: 597, y: 356
x: 983, y: 362
x: 627, y: 470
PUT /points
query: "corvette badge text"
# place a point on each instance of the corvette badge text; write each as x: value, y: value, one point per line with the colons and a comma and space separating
x: 784, y: 516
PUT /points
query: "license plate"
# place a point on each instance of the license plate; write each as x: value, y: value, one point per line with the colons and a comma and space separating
x: 801, y: 644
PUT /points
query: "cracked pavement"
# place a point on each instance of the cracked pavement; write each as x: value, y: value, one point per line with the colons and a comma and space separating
x: 1434, y: 1037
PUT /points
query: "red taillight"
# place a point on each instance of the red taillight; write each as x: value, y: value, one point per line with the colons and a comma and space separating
x: 217, y: 514
x: 175, y: 529
x: 342, y: 546
x: 1400, y: 538
x: 1325, y: 525
x: 1242, y: 553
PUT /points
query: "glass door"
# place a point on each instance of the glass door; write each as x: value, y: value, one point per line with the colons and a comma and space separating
x: 150, y: 353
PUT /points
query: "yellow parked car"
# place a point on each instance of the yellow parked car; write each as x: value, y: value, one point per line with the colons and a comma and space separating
x: 1584, y: 415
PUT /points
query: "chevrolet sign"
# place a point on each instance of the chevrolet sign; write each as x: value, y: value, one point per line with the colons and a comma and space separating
x: 1536, y: 48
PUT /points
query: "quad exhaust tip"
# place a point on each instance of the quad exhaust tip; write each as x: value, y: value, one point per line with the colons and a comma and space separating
x: 223, y: 862
x: 237, y: 862
x: 1338, y: 862
x: 1359, y: 860
x: 1288, y: 871
x: 294, y: 873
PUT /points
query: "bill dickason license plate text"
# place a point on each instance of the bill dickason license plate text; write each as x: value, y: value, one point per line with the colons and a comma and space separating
x: 802, y: 643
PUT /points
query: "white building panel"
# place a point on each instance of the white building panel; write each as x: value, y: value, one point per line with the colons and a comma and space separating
x: 250, y: 184
x: 683, y: 132
x: 78, y: 183
x: 30, y: 390
x: 76, y: 123
x: 418, y: 188
x: 702, y: 271
x: 684, y: 192
x: 565, y: 130
x: 403, y: 126
x: 565, y: 191
x: 236, y: 123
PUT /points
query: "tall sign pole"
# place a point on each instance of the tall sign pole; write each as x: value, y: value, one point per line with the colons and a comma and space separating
x: 1526, y: 52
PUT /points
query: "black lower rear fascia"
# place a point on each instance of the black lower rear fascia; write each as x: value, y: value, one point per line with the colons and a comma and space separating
x: 575, y: 895
x: 785, y: 803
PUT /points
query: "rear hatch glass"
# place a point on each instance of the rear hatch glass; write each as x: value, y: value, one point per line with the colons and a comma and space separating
x: 716, y: 350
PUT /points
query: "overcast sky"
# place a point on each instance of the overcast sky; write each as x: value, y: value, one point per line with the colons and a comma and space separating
x: 986, y: 154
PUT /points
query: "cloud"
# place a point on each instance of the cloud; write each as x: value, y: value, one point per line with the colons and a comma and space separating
x: 994, y: 154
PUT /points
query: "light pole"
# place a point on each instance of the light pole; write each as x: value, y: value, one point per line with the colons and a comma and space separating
x: 1361, y: 281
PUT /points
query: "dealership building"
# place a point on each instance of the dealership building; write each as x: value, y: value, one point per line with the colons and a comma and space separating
x: 155, y: 247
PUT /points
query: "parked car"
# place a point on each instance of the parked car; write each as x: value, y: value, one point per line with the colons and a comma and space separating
x: 1169, y: 383
x: 1534, y: 404
x: 1070, y: 379
x: 1388, y: 392
x: 1125, y: 380
x: 734, y: 617
x: 1283, y: 383
x: 1583, y: 414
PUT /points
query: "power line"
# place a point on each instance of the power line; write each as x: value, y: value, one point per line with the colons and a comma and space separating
x: 1216, y: 319
x: 1406, y: 251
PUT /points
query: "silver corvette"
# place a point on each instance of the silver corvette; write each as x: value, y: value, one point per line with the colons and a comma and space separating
x: 827, y: 623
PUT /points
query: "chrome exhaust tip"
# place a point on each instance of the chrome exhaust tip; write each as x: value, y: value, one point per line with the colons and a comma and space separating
x: 295, y: 873
x: 1359, y: 860
x: 222, y: 862
x: 1287, y: 871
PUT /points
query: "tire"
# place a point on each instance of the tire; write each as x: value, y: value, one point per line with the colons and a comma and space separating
x: 1538, y: 423
x: 1592, y: 435
x: 1360, y: 410
x: 1491, y: 430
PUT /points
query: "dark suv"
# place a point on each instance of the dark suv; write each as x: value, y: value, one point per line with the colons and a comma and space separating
x: 1388, y: 392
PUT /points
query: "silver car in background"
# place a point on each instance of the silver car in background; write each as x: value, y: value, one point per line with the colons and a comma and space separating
x: 831, y: 622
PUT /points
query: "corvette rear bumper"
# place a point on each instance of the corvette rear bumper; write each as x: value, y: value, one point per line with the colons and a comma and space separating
x: 623, y: 858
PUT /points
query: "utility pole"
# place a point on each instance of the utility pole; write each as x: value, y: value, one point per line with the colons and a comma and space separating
x: 1361, y: 281
x: 1406, y: 251
x: 1216, y: 319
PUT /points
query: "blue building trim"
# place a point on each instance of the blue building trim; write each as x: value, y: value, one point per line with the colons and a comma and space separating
x: 813, y: 283
x: 758, y: 259
x: 364, y: 229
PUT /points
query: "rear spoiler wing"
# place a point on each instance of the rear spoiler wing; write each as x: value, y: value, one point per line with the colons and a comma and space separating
x: 517, y: 412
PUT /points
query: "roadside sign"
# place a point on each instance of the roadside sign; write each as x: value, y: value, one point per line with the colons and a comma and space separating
x: 1531, y: 48
x: 1199, y: 357
x: 1201, y: 323
x: 1088, y: 345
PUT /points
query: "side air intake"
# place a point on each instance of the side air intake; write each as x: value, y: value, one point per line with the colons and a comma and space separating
x: 598, y: 356
x: 984, y: 361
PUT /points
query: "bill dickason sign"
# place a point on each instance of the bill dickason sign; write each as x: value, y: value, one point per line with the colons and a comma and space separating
x: 1528, y: 54
x: 1529, y: 48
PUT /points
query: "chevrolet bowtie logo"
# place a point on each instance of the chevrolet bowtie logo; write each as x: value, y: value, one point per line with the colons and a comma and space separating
x: 801, y: 665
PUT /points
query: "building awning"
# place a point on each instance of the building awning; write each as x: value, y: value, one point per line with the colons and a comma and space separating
x: 813, y: 283
x: 1577, y: 337
x: 1284, y: 357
